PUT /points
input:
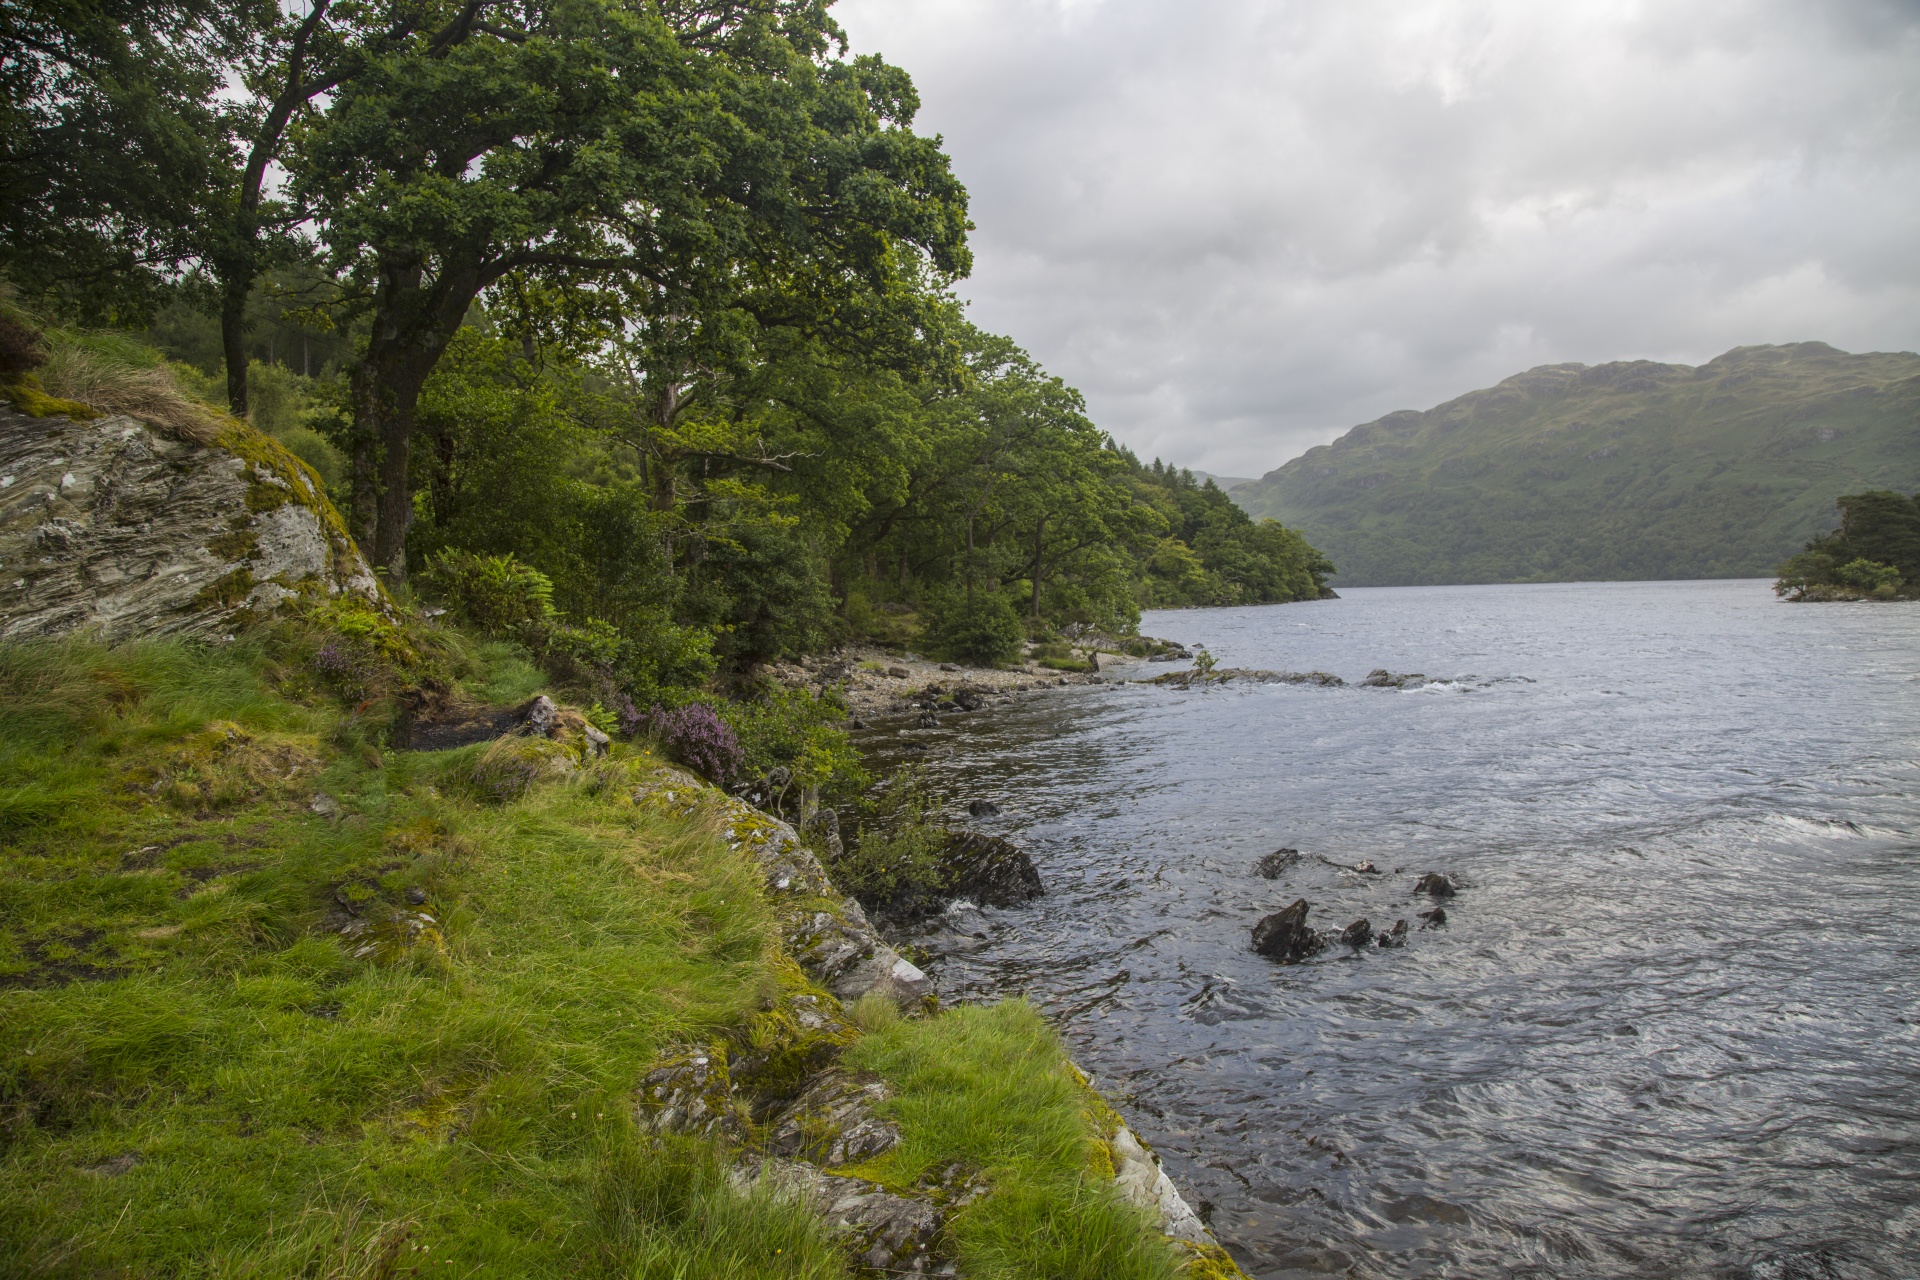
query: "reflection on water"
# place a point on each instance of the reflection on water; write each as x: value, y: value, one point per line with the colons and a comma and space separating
x: 1673, y: 1025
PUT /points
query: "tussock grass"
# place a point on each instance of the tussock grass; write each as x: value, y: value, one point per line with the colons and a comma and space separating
x: 989, y: 1087
x: 667, y: 1210
x: 198, y: 1076
x: 114, y: 385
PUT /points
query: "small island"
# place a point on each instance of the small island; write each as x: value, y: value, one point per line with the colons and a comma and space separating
x: 1873, y: 555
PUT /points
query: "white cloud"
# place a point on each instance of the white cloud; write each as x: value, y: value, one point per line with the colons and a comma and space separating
x: 1241, y: 228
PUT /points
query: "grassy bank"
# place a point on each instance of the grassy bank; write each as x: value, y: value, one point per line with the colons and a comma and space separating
x: 215, y: 1060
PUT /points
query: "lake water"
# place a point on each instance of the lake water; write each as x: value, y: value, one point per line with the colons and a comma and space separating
x: 1672, y: 1027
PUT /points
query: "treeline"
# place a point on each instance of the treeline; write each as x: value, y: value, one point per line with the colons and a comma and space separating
x: 1874, y: 554
x: 653, y: 297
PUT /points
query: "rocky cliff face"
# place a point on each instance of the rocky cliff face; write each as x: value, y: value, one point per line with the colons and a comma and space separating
x: 111, y: 527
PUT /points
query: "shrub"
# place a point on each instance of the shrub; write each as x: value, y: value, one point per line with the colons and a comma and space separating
x: 893, y: 864
x: 497, y: 594
x: 695, y: 736
x: 1869, y: 575
x: 22, y: 349
x: 984, y: 631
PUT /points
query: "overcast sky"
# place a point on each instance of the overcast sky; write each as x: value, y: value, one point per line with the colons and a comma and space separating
x: 1241, y: 227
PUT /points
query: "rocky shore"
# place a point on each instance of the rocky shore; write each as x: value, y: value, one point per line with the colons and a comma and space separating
x: 877, y: 683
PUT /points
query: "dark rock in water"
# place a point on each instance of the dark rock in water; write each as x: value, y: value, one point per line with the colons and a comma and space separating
x: 856, y: 723
x: 968, y: 700
x: 1396, y: 936
x: 928, y: 720
x: 1358, y: 934
x: 1274, y: 864
x: 1284, y: 935
x: 914, y: 748
x: 983, y: 809
x: 1434, y: 885
x: 989, y: 870
x: 1434, y: 918
x: 1381, y: 678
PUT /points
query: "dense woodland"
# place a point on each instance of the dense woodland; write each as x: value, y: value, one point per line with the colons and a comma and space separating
x: 653, y: 297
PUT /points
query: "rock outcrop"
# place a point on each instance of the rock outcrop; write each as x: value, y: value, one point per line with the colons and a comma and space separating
x: 1276, y: 864
x: 1284, y: 935
x: 111, y: 527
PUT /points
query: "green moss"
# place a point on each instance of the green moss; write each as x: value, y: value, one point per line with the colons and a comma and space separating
x: 304, y: 484
x: 27, y: 397
x: 266, y: 497
x: 227, y: 590
x: 234, y: 546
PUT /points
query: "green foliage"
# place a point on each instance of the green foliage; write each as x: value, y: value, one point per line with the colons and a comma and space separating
x: 497, y: 594
x: 1621, y: 471
x: 1874, y: 553
x: 116, y: 143
x: 988, y: 1087
x: 891, y: 861
x: 795, y: 729
x: 983, y: 631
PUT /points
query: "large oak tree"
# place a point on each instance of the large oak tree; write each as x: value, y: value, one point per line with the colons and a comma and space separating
x: 595, y: 139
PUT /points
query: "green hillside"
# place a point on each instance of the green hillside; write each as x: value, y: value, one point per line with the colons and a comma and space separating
x: 1631, y: 470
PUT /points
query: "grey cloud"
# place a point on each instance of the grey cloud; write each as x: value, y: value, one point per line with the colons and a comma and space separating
x: 1241, y: 228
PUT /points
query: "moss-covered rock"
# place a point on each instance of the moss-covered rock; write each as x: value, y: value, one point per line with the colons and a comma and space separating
x: 110, y: 526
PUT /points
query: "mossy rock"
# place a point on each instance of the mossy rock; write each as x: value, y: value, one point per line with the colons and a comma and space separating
x: 115, y: 528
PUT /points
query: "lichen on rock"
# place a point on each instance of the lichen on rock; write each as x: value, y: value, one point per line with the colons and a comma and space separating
x: 112, y: 527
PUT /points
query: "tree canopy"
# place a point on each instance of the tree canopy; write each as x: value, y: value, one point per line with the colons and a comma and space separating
x: 650, y: 299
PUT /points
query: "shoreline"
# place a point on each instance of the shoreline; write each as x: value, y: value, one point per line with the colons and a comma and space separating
x: 877, y: 684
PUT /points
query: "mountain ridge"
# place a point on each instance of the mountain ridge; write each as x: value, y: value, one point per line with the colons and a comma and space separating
x: 1634, y: 469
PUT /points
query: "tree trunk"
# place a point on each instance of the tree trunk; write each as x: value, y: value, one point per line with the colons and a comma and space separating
x: 413, y: 320
x: 363, y: 516
x: 386, y: 394
x: 233, y: 337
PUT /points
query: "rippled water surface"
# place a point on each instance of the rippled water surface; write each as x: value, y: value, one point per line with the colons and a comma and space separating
x: 1672, y: 1027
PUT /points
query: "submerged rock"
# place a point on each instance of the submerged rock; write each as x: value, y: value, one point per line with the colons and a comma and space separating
x: 983, y: 809
x: 1381, y: 678
x: 991, y: 871
x: 1435, y: 885
x: 1284, y: 935
x: 1273, y: 865
x: 1396, y: 936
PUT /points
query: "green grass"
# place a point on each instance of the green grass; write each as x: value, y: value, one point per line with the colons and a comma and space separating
x: 988, y: 1087
x: 201, y: 1076
x: 170, y: 991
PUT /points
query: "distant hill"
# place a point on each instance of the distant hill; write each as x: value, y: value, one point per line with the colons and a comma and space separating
x: 1225, y: 482
x: 1628, y: 470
